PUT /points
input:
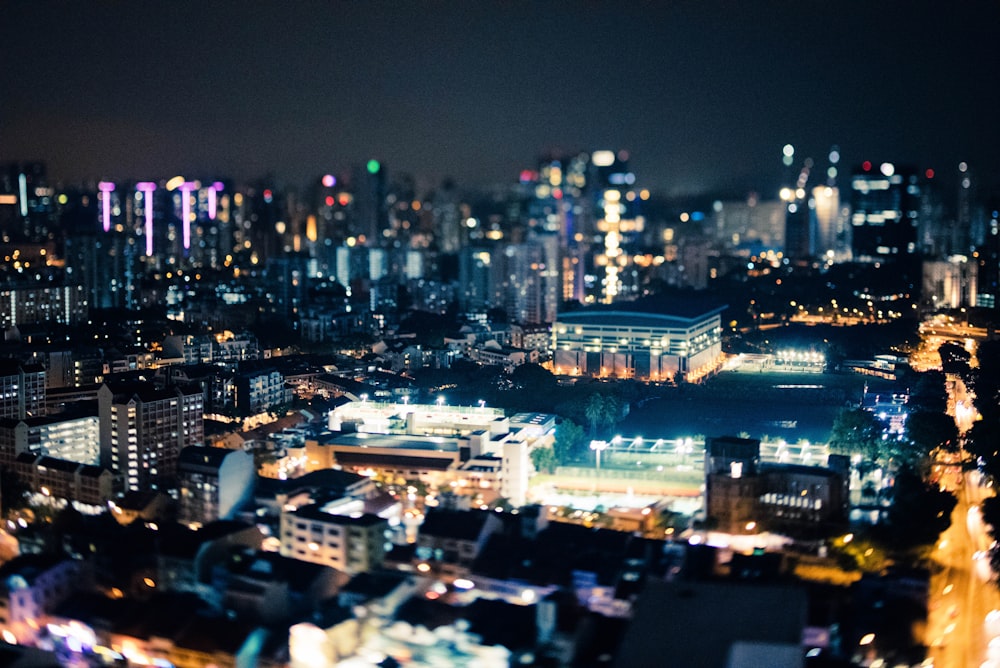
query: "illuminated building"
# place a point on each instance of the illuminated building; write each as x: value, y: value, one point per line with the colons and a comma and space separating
x: 370, y: 212
x: 651, y: 340
x: 35, y: 305
x: 618, y: 222
x: 143, y: 430
x: 523, y: 279
x: 259, y: 390
x: 477, y: 272
x: 78, y: 483
x: 745, y: 496
x: 350, y: 543
x: 72, y: 439
x: 27, y: 202
x: 988, y: 259
x: 22, y: 390
x: 885, y: 204
x: 950, y: 283
x: 144, y: 193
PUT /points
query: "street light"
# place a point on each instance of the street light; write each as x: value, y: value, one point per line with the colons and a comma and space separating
x: 598, y: 447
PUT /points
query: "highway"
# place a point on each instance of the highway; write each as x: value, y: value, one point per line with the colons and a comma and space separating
x: 961, y: 593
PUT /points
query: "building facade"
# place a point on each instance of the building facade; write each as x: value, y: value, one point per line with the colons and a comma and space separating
x: 885, y: 204
x: 144, y: 429
x: 214, y: 483
x: 645, y: 343
x: 350, y: 543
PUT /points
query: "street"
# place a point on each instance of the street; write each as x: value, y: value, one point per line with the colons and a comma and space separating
x: 961, y: 594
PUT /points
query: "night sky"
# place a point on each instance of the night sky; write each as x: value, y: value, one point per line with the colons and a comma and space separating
x: 703, y: 94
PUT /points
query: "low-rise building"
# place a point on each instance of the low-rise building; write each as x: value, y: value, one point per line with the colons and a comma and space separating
x: 62, y: 479
x: 744, y: 496
x: 654, y: 340
x: 350, y: 543
x: 31, y: 585
x: 450, y: 540
x: 214, y: 483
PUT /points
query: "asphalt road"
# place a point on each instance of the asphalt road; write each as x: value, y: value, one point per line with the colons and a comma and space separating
x: 961, y: 594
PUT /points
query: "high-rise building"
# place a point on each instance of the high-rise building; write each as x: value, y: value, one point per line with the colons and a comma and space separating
x: 143, y: 430
x: 371, y: 216
x: 22, y: 390
x: 28, y: 202
x: 618, y: 222
x: 885, y: 204
x: 35, y: 303
x: 988, y: 259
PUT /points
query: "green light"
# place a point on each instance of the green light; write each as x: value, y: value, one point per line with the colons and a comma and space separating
x: 373, y: 166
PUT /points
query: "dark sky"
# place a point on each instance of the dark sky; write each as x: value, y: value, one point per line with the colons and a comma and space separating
x: 703, y: 93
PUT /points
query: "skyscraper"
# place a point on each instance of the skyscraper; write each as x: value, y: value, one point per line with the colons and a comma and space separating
x: 885, y: 203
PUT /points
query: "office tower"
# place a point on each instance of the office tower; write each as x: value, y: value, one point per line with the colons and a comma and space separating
x: 105, y: 262
x: 617, y: 222
x: 800, y: 221
x: 447, y: 212
x: 988, y: 259
x: 749, y: 225
x: 370, y: 212
x: 475, y: 279
x: 143, y: 430
x: 885, y: 204
x: 826, y: 208
x: 288, y: 283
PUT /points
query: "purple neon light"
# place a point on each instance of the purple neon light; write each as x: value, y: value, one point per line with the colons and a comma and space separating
x: 186, y: 188
x: 212, y: 190
x: 106, y: 189
x: 148, y: 187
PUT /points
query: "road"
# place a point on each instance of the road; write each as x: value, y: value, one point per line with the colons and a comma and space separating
x: 961, y: 594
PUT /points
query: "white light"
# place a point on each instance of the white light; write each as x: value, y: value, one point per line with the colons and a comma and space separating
x: 887, y: 168
x: 603, y: 158
x: 788, y: 150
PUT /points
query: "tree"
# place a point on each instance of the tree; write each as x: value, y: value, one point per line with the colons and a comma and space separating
x: 594, y: 411
x: 544, y: 459
x: 533, y: 378
x: 954, y: 358
x: 569, y: 436
x: 983, y: 441
x: 928, y: 431
x: 857, y: 431
x: 919, y: 511
x: 929, y: 392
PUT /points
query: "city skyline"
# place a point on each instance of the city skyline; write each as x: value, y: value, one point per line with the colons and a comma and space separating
x: 703, y: 96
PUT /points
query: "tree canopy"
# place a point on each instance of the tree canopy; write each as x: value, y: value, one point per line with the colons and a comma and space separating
x: 919, y: 512
x: 857, y: 431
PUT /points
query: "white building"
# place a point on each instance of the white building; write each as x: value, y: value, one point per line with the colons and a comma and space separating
x: 654, y: 340
x: 350, y: 543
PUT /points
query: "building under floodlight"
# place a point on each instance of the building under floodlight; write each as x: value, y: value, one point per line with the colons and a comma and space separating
x: 651, y: 340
